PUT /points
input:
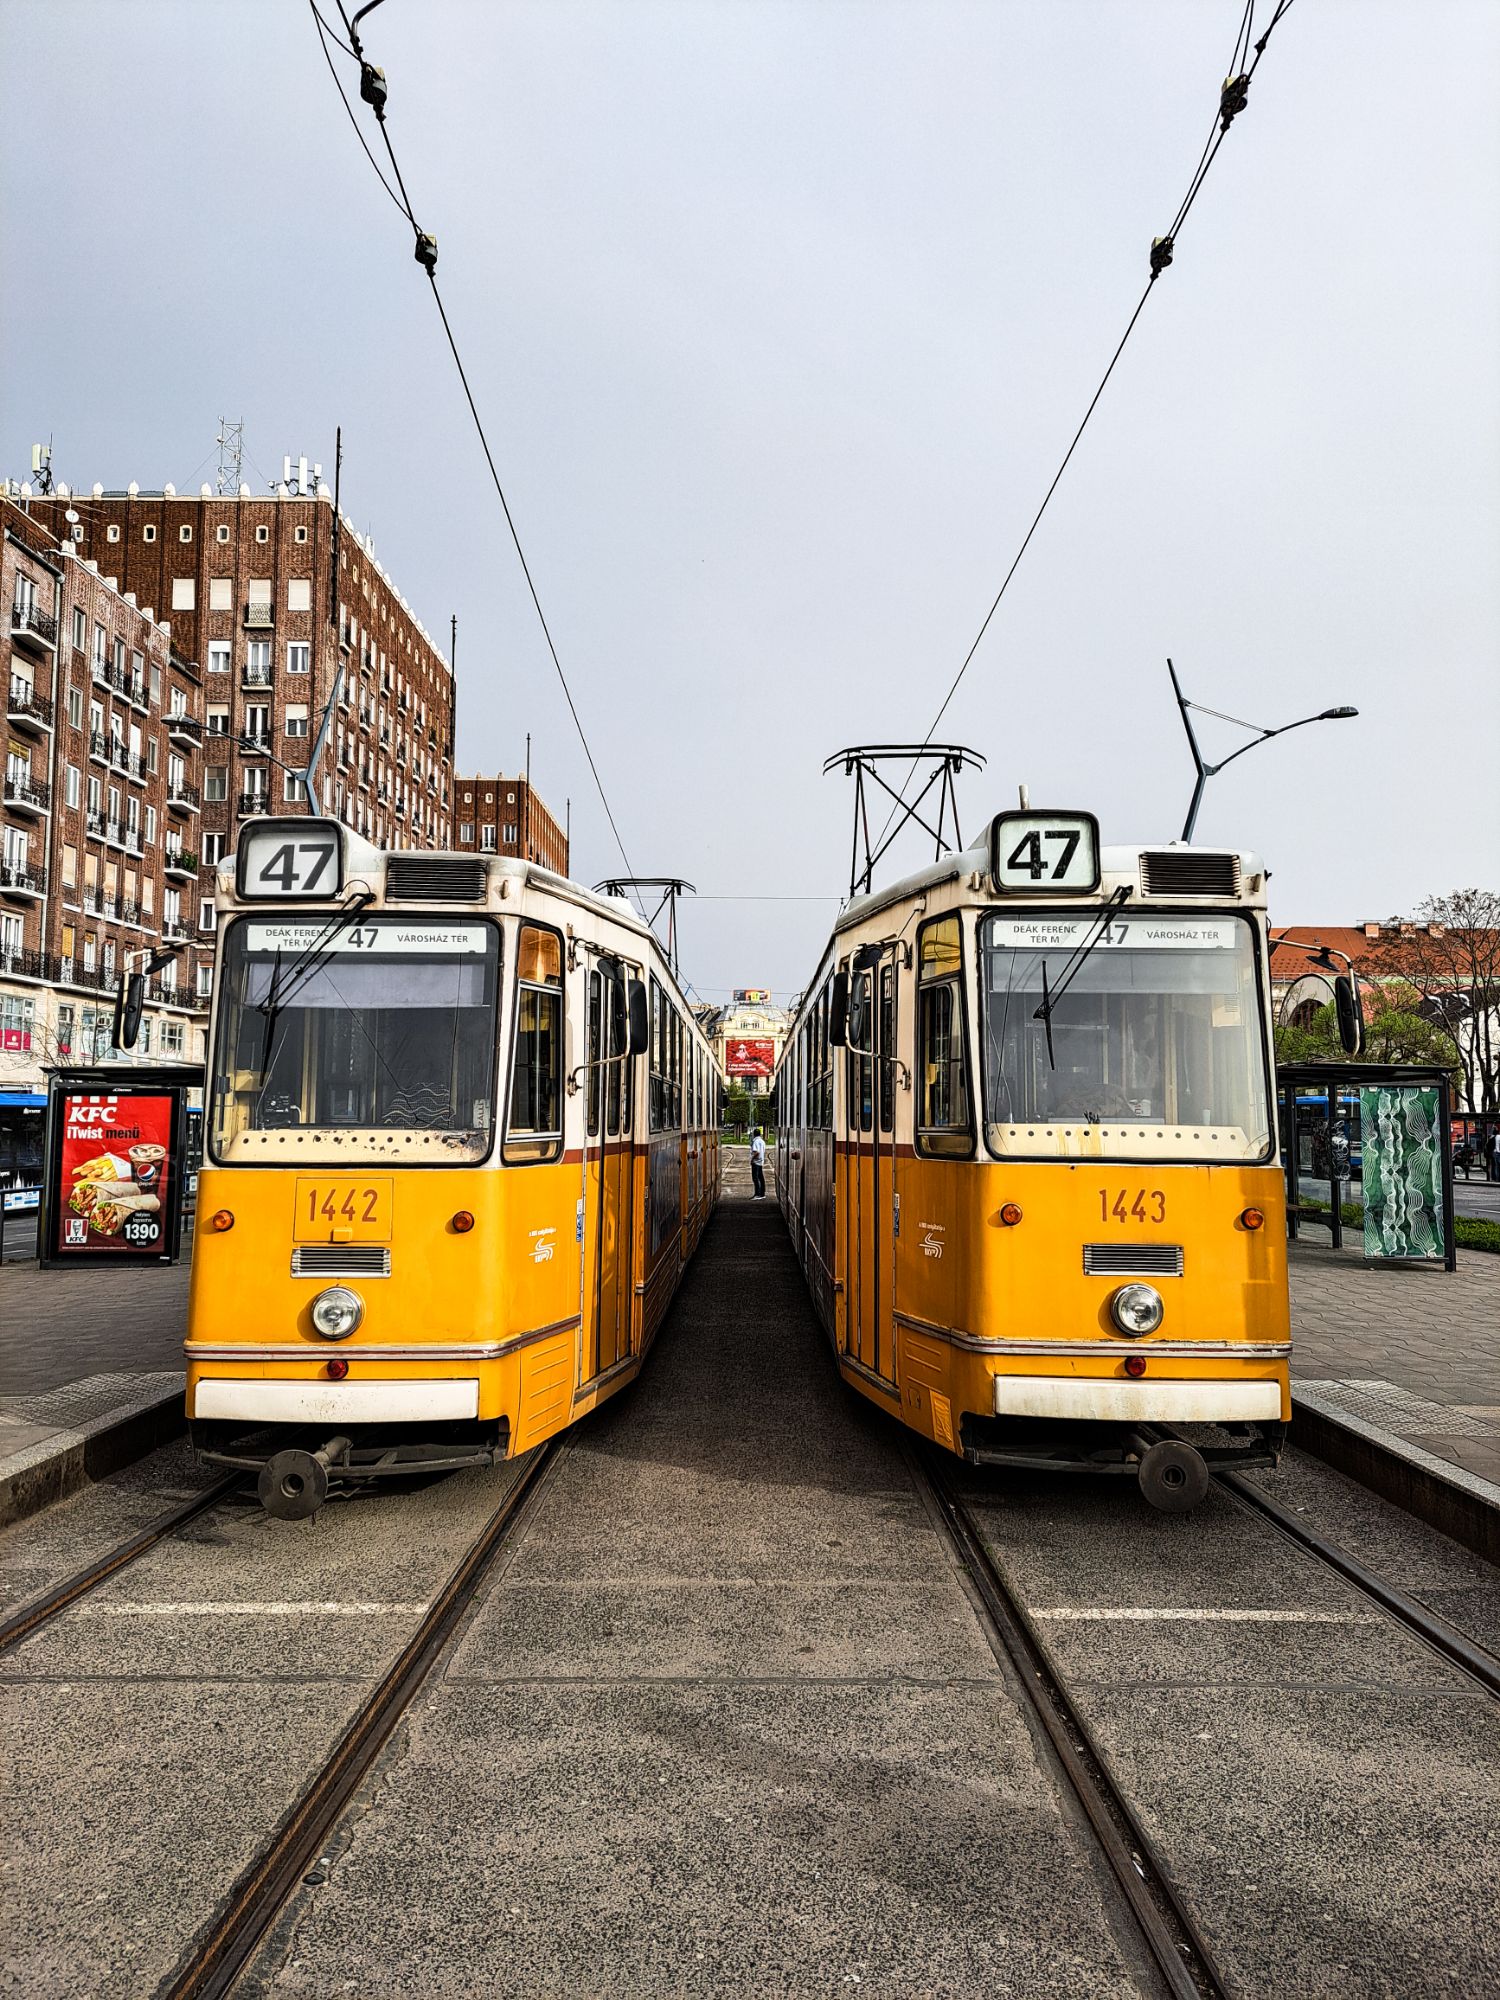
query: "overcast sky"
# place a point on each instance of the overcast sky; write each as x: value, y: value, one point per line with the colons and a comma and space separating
x: 780, y: 317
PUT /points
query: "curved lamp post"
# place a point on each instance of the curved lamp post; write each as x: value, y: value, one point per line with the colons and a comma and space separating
x: 1206, y: 771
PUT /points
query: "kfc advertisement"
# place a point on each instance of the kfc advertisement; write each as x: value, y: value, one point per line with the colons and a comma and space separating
x: 750, y: 1058
x: 115, y: 1171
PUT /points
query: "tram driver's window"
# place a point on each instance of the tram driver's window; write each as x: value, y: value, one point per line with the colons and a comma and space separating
x: 535, y: 1127
x: 944, y: 1123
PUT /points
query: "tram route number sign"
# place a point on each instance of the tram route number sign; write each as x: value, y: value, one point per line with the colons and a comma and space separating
x: 290, y: 859
x: 1053, y: 853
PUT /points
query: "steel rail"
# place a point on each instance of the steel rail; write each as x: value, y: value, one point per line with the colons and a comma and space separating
x: 1447, y: 1640
x: 40, y: 1609
x: 1170, y: 1935
x: 261, y: 1892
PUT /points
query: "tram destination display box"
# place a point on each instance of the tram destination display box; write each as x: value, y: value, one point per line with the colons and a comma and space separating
x: 115, y: 1165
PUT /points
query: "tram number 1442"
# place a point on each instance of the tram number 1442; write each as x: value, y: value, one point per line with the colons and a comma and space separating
x: 1127, y: 1205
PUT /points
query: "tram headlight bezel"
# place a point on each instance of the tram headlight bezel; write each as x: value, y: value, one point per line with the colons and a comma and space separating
x: 340, y: 1305
x: 1137, y: 1310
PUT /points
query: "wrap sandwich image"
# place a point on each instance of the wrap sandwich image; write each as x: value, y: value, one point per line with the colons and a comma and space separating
x: 105, y: 1204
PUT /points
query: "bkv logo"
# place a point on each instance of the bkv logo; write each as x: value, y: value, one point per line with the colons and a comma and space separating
x: 932, y: 1238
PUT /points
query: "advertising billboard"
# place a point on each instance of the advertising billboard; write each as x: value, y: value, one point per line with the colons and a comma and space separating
x: 750, y: 1058
x: 112, y: 1175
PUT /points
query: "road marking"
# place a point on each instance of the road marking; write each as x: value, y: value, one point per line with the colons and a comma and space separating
x: 248, y: 1609
x: 1134, y: 1615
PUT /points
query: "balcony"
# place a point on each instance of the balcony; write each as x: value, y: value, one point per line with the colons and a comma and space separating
x: 257, y: 676
x: 31, y: 627
x: 21, y: 962
x: 93, y: 821
x: 175, y: 931
x: 24, y: 883
x: 181, y: 862
x: 255, y: 742
x: 126, y: 761
x: 139, y: 693
x: 182, y: 796
x: 26, y: 707
x: 183, y: 730
x: 254, y: 802
x: 260, y: 617
x: 130, y: 913
x: 27, y: 795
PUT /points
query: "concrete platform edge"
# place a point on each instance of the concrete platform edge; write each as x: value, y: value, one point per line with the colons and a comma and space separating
x: 1444, y: 1496
x: 34, y: 1478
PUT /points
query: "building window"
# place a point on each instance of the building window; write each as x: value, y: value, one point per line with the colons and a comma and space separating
x: 218, y: 656
x: 296, y: 719
x: 75, y: 707
x: 221, y: 593
x: 150, y: 835
x: 171, y: 1031
x: 80, y: 630
x: 510, y: 835
x: 263, y: 533
x: 487, y: 839
x: 218, y: 721
x: 184, y: 533
x: 222, y: 531
x: 74, y: 785
x: 112, y: 532
x: 292, y: 791
x: 213, y: 847
x: 205, y: 980
x: 466, y: 833
x: 206, y: 917
x: 148, y: 533
x: 184, y: 593
x: 299, y: 594
x: 298, y: 657
x: 299, y: 535
x: 215, y: 785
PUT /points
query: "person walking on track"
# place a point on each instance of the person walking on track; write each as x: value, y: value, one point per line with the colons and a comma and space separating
x: 758, y: 1165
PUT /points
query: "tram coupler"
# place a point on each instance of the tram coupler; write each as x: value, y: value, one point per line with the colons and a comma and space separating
x: 294, y: 1484
x: 1172, y: 1474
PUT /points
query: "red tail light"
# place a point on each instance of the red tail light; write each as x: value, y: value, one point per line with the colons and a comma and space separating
x: 1135, y: 1364
x: 338, y: 1368
x: 1010, y: 1214
x: 463, y: 1222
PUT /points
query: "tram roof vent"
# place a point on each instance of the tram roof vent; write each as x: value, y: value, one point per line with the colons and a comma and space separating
x: 426, y: 878
x: 1187, y: 871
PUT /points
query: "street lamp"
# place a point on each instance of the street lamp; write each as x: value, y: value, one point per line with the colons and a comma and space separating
x: 1206, y: 771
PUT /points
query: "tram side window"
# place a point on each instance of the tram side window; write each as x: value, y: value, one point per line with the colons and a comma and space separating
x: 861, y: 1068
x: 596, y: 1048
x: 887, y: 1047
x: 534, y: 1131
x: 658, y: 1058
x: 944, y: 1121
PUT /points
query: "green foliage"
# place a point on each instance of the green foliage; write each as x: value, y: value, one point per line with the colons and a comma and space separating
x: 1393, y: 1034
x: 1473, y: 1233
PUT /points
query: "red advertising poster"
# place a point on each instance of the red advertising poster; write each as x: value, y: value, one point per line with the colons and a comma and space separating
x: 116, y: 1165
x: 750, y: 1058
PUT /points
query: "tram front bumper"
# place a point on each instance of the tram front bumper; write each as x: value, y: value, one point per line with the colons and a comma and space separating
x: 1114, y: 1400
x: 314, y: 1402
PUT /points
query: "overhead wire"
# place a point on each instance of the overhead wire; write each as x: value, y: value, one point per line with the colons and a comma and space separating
x: 426, y: 255
x: 1231, y: 103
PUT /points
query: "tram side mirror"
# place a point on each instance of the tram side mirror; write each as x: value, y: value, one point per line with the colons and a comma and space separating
x: 640, y: 1019
x: 860, y: 1025
x: 1351, y: 1019
x: 130, y: 1003
x: 838, y: 1010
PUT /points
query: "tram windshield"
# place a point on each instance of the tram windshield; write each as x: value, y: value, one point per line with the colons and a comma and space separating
x: 379, y: 1040
x: 1157, y: 1048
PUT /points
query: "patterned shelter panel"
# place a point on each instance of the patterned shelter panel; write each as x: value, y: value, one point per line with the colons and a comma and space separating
x: 1403, y: 1172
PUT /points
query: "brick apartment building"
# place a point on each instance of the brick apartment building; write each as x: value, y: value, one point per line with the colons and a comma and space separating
x: 505, y: 816
x: 99, y: 830
x: 271, y: 595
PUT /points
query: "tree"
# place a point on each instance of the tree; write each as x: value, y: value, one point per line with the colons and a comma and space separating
x: 1447, y: 956
x: 1394, y: 1033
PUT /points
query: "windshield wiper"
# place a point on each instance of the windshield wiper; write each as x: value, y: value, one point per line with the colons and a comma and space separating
x: 315, y: 953
x: 1071, y: 969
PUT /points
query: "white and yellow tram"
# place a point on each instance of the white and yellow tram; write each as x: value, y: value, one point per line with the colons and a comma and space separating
x: 461, y: 1138
x: 1027, y: 1153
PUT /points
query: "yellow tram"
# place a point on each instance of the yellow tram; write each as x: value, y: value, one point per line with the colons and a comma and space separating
x: 461, y: 1138
x: 1027, y: 1154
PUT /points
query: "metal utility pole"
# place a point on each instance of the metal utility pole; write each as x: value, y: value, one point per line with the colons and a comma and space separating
x: 1186, y: 709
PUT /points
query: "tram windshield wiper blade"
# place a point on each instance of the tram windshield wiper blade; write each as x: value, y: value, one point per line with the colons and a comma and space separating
x: 1052, y: 994
x: 318, y: 950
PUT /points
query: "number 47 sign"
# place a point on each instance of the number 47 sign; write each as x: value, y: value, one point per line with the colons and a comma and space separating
x: 290, y: 857
x: 1041, y: 852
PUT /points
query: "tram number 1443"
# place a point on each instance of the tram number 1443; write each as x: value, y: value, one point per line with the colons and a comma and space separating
x: 1141, y: 1205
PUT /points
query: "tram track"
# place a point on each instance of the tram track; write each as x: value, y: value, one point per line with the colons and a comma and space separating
x: 260, y: 1894
x: 1165, y: 1926
x: 40, y: 1610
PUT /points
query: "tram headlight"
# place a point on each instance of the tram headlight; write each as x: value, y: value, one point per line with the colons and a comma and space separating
x: 337, y: 1312
x: 1136, y: 1309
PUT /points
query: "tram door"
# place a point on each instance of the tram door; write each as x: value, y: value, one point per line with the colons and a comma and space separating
x: 869, y: 1191
x: 608, y: 1173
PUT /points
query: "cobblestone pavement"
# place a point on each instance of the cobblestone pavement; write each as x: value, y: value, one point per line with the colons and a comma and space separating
x: 1416, y: 1352
x: 59, y: 1326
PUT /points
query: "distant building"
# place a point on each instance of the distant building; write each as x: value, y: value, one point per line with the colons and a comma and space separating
x: 505, y: 816
x: 100, y: 839
x: 747, y: 1036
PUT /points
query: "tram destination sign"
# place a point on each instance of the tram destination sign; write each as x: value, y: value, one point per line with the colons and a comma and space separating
x: 1127, y: 932
x: 1045, y: 853
x: 400, y: 937
x: 290, y: 860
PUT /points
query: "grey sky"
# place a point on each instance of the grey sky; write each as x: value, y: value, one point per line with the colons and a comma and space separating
x: 780, y: 317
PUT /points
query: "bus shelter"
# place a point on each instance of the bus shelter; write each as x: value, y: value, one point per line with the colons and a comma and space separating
x: 1375, y: 1137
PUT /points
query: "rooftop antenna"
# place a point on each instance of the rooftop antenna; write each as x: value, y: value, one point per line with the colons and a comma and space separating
x: 231, y: 443
x: 860, y: 761
x: 41, y: 466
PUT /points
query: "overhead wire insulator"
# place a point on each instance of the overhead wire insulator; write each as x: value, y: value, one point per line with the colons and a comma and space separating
x: 372, y: 87
x: 1161, y: 254
x: 1232, y: 99
x: 426, y: 251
